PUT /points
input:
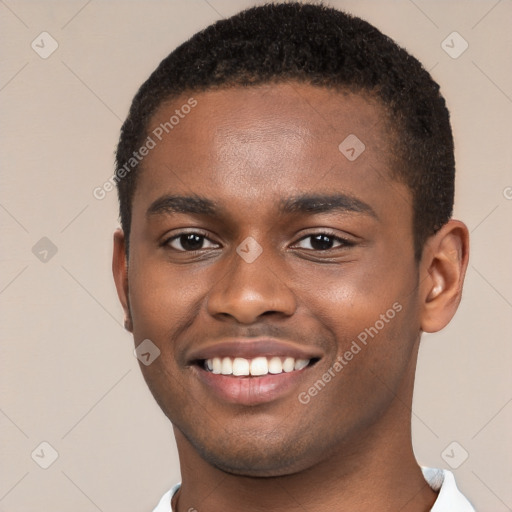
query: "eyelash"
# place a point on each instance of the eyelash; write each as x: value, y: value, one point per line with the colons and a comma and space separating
x: 343, y: 241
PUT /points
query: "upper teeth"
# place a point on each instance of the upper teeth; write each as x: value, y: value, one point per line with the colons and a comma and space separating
x: 239, y: 366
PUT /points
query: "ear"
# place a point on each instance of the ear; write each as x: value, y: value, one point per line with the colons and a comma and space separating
x: 120, y: 271
x: 442, y: 270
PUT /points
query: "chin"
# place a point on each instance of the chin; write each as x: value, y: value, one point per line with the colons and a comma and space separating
x: 263, y: 455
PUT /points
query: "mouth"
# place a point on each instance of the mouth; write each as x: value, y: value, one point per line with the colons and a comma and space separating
x: 253, y: 372
x: 255, y: 367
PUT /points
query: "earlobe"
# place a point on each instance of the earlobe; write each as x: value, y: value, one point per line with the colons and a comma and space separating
x: 128, y: 323
x: 443, y: 267
x: 120, y: 272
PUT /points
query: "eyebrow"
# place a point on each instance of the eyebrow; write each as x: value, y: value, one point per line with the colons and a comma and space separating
x: 314, y: 203
x: 302, y: 204
x: 183, y: 204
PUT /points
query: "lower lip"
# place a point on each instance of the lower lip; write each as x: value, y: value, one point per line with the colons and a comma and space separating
x: 251, y: 390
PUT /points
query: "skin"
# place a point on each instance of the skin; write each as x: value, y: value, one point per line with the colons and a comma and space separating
x: 349, y: 448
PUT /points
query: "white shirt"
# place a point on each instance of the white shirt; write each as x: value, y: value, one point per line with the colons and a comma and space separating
x: 450, y: 499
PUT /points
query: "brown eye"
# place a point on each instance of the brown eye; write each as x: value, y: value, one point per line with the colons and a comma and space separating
x: 324, y: 242
x: 187, y: 242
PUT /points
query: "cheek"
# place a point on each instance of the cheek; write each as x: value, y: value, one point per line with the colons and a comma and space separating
x: 161, y: 301
x: 163, y: 306
x: 372, y: 316
x: 354, y: 297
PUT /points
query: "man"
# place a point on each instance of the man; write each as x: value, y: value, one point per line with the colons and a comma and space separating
x: 286, y: 183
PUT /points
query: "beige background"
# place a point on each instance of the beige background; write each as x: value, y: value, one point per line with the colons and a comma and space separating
x: 68, y: 375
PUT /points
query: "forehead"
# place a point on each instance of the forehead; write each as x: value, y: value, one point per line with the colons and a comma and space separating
x: 244, y: 145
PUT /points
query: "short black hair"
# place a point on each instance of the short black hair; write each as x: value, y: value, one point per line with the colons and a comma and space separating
x: 324, y: 47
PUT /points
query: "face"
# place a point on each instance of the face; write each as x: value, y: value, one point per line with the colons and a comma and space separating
x: 260, y: 246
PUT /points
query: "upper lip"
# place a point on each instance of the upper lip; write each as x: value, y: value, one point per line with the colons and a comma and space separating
x: 251, y: 348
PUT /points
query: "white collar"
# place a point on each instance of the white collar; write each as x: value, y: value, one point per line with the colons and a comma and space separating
x: 450, y: 499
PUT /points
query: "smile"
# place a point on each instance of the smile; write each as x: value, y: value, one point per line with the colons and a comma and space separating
x: 256, y: 367
x: 249, y: 372
x: 252, y: 381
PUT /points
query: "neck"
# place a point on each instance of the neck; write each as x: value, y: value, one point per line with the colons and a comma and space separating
x: 374, y: 470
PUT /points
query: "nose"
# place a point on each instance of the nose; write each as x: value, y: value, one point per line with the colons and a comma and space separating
x: 249, y: 290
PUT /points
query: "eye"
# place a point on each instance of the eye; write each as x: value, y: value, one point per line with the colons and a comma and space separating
x: 188, y: 242
x: 324, y: 242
